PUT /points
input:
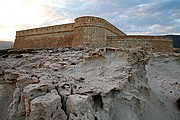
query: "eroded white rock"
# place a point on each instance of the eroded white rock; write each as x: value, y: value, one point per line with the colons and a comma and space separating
x: 91, y: 84
x: 47, y: 107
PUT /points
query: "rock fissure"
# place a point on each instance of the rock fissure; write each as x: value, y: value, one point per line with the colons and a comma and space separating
x: 63, y: 100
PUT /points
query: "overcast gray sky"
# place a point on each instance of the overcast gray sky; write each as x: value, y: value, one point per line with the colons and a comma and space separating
x: 149, y: 17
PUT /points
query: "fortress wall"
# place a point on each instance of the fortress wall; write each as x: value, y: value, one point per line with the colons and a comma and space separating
x: 53, y: 40
x: 109, y: 33
x: 92, y: 32
x: 46, y: 30
x: 87, y: 32
x: 46, y: 37
x: 98, y: 22
x: 78, y: 37
x: 89, y: 37
x: 152, y: 43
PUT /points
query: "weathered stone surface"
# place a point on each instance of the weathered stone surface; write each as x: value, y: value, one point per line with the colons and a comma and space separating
x: 47, y: 107
x: 105, y: 83
x: 6, y: 98
x: 10, y: 76
x: 79, y: 107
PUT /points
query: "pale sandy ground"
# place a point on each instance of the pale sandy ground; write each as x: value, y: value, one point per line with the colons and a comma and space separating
x: 163, y: 73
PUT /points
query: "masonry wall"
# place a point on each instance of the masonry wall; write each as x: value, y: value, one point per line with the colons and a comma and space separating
x: 46, y: 30
x: 152, y: 43
x: 97, y: 22
x: 87, y: 31
x: 46, y: 37
x: 93, y: 31
x: 89, y: 37
x: 54, y: 40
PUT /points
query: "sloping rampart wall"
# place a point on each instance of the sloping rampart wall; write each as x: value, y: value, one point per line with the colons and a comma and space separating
x: 93, y: 31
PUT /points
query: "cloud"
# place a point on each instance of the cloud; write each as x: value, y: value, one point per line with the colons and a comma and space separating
x: 21, y: 14
x: 130, y: 16
x: 133, y: 17
x: 2, y: 26
x: 144, y: 16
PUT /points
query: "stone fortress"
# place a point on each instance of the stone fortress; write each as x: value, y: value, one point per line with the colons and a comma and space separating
x: 87, y: 31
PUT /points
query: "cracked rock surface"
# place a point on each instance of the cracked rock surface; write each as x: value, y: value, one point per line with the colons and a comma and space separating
x: 89, y: 84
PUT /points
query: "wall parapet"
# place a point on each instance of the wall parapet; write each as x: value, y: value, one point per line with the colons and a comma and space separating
x: 152, y: 43
x: 46, y: 30
x: 79, y: 22
x: 138, y: 37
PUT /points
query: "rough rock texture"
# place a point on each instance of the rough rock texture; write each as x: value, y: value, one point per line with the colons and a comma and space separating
x: 163, y: 73
x: 89, y: 84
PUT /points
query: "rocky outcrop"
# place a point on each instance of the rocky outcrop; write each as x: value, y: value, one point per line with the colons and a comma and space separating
x: 86, y: 84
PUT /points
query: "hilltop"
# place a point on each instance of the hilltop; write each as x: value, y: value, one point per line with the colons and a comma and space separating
x: 6, y: 44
